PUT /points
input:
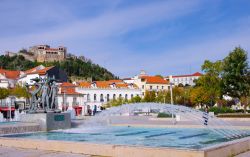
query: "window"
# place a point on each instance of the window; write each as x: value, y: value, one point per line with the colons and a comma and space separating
x: 107, y: 97
x: 132, y: 96
x: 142, y: 86
x: 74, y: 101
x: 114, y: 96
x: 101, y: 98
x: 151, y: 87
x: 142, y: 93
x: 162, y: 87
x: 126, y: 96
x: 157, y: 87
x: 94, y: 97
x: 120, y: 95
x: 88, y: 98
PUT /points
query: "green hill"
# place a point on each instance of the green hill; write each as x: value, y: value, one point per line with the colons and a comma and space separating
x: 74, y: 67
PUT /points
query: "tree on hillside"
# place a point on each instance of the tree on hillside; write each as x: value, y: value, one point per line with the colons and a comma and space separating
x: 72, y: 66
x: 236, y: 75
x: 4, y: 93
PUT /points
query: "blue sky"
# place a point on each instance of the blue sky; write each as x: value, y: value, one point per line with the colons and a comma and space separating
x: 125, y: 36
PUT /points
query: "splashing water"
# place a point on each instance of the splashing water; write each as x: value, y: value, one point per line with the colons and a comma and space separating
x: 103, y: 119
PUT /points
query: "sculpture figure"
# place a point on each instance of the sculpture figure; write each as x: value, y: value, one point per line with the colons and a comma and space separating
x: 44, y: 95
x: 53, y: 95
x: 34, y: 95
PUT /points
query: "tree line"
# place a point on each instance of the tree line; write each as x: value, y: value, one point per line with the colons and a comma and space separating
x: 72, y: 66
x: 227, y: 77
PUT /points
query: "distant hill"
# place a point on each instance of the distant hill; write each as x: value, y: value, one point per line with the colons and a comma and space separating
x: 75, y: 68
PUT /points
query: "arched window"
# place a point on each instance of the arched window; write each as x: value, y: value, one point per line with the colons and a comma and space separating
x: 120, y: 95
x: 114, y: 96
x: 107, y: 97
x: 132, y: 96
x: 126, y: 96
x: 101, y: 98
x: 94, y: 97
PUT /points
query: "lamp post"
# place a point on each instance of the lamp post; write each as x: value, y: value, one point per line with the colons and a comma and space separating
x: 171, y: 95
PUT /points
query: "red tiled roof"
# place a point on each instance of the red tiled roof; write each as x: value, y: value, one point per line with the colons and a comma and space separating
x: 115, y: 81
x: 35, y: 70
x: 154, y: 80
x: 67, y: 84
x: 122, y: 85
x: 190, y: 75
x: 44, y: 71
x: 85, y: 84
x: 10, y: 74
x: 31, y: 70
x: 102, y: 84
x: 68, y: 88
x: 69, y: 91
x: 106, y: 84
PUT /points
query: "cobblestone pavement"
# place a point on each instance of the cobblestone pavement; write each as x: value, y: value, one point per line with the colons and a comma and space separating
x: 18, y: 152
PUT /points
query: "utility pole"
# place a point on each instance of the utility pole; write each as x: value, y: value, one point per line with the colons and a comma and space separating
x: 171, y: 94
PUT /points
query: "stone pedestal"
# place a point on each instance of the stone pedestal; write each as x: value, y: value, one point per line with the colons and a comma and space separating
x: 49, y: 121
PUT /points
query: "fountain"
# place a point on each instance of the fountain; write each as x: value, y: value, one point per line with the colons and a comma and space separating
x: 214, y: 124
x: 2, y: 119
x: 208, y: 136
x: 44, y: 106
x: 17, y: 116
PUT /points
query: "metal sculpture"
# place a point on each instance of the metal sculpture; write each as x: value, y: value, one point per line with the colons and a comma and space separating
x: 44, y: 96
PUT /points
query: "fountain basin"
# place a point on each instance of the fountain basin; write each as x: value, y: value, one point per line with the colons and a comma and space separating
x: 115, y: 141
x: 50, y: 141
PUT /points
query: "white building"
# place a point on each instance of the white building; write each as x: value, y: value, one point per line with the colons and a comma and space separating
x: 42, y: 72
x: 98, y: 93
x: 69, y: 99
x: 148, y: 83
x: 184, y: 80
x: 33, y: 73
x: 8, y: 78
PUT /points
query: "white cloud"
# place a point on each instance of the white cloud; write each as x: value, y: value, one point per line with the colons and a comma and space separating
x: 106, y: 25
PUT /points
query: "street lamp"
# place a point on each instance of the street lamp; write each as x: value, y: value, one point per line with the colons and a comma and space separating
x: 171, y: 95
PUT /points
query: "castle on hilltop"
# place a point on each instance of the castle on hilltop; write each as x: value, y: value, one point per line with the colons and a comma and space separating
x: 43, y: 53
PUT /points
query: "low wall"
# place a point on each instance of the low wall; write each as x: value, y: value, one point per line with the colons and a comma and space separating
x: 49, y: 121
x: 99, y: 149
x: 228, y: 149
x: 19, y: 128
x: 222, y: 150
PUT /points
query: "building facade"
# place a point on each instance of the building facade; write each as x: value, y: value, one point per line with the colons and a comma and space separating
x: 42, y: 72
x: 69, y: 99
x: 8, y: 78
x: 43, y: 53
x: 98, y: 93
x: 148, y: 83
x: 184, y: 80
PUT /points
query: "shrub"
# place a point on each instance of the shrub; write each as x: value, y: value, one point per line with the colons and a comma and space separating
x: 217, y: 110
x: 164, y: 115
x: 234, y: 115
